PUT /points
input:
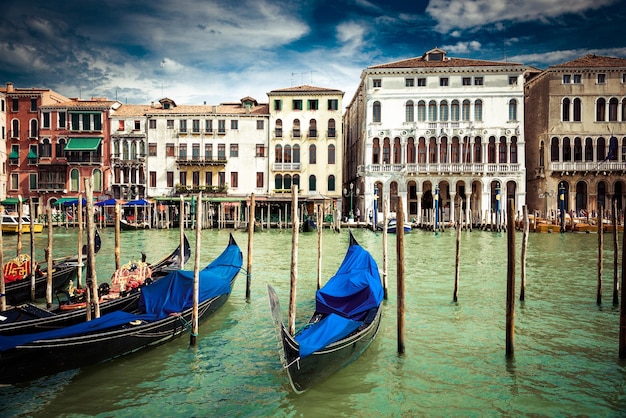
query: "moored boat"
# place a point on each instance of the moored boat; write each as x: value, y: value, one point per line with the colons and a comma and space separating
x: 391, y: 226
x: 11, y: 225
x: 164, y: 313
x: 345, y: 322
x: 126, y: 225
x: 29, y: 318
x: 63, y: 270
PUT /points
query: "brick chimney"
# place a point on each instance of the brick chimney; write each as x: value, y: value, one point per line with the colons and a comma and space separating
x: 10, y: 87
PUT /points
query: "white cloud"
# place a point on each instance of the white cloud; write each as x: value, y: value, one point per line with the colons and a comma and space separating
x: 462, y: 14
x: 561, y: 56
x: 351, y: 36
x: 170, y: 66
x: 462, y: 47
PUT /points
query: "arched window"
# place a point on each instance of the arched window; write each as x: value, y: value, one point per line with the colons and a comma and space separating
x: 513, y: 148
x: 454, y: 111
x: 312, y: 185
x: 578, y: 149
x: 512, y: 109
x: 397, y: 151
x: 287, y: 182
x: 313, y: 128
x: 296, y: 154
x: 432, y: 151
x: 376, y: 111
x: 432, y: 111
x: 33, y: 129
x: 588, y: 149
x: 331, y: 183
x: 565, y: 112
x: 410, y: 151
x: 478, y: 150
x: 60, y: 148
x: 125, y: 153
x: 623, y: 110
x: 421, y: 150
x: 600, y: 110
x: 279, y: 153
x: 466, y: 110
x: 331, y: 128
x: 296, y: 180
x: 577, y: 110
x: 45, y: 149
x: 554, y: 149
x: 502, y: 150
x: 97, y: 180
x: 601, y: 148
x: 478, y: 110
x: 287, y: 154
x: 491, y: 150
x: 443, y: 150
x: 421, y: 111
x: 376, y: 151
x: 567, y: 149
x: 331, y: 154
x: 296, y: 128
x: 455, y: 157
x: 613, y: 109
x: 443, y: 111
x: 279, y: 130
x: 409, y: 111
x: 15, y: 128
x: 74, y: 180
x: 312, y: 154
x: 386, y: 151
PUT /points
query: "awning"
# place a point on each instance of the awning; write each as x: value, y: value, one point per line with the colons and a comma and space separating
x: 31, y: 154
x: 83, y: 144
x: 14, y: 154
x: 12, y: 201
x: 70, y: 201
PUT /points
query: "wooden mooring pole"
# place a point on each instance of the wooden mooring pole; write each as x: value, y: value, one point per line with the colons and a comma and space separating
x: 251, y: 222
x: 33, y: 263
x: 510, y: 281
x: 320, y: 226
x: 622, y: 309
x: 118, y: 216
x: 457, y: 262
x: 3, y: 299
x: 193, y: 338
x: 600, y: 255
x: 294, y: 259
x: 385, y: 234
x: 615, y: 256
x: 92, y: 280
x: 49, y: 259
x: 400, y: 273
x: 79, y: 260
x: 522, y: 292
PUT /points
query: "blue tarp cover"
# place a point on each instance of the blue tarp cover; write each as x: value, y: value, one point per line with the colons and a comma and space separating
x: 175, y: 294
x: 346, y: 297
x: 330, y: 329
x: 354, y: 289
x: 169, y: 294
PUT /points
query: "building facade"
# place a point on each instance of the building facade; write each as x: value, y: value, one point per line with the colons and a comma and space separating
x: 437, y: 132
x: 305, y: 145
x: 576, y: 136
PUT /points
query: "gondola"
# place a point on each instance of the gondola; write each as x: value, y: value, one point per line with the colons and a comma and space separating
x: 64, y: 269
x: 133, y: 226
x: 309, y: 224
x: 29, y: 318
x: 164, y: 313
x: 347, y: 315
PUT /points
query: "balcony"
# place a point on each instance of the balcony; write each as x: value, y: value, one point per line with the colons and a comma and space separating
x: 430, y: 169
x: 287, y: 166
x: 200, y: 161
x: 312, y: 133
x: 180, y: 189
x: 84, y: 158
x: 579, y: 166
x: 332, y: 133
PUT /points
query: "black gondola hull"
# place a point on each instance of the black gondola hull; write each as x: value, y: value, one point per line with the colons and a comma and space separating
x: 47, y: 357
x: 19, y: 291
x: 306, y: 372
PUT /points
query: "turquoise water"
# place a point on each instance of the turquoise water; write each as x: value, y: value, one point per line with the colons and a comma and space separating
x: 566, y: 346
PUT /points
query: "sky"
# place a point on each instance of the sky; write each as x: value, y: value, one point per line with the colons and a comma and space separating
x: 217, y: 51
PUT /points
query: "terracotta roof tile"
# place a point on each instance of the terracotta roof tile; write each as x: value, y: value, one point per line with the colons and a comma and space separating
x: 421, y: 62
x: 305, y: 88
x: 592, y: 60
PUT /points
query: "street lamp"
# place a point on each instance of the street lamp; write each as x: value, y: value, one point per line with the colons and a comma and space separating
x: 351, y: 194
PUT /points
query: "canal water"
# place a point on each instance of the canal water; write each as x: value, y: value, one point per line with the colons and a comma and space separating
x: 566, y: 346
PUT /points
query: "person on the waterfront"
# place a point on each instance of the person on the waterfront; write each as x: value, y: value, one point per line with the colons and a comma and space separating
x: 358, y: 214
